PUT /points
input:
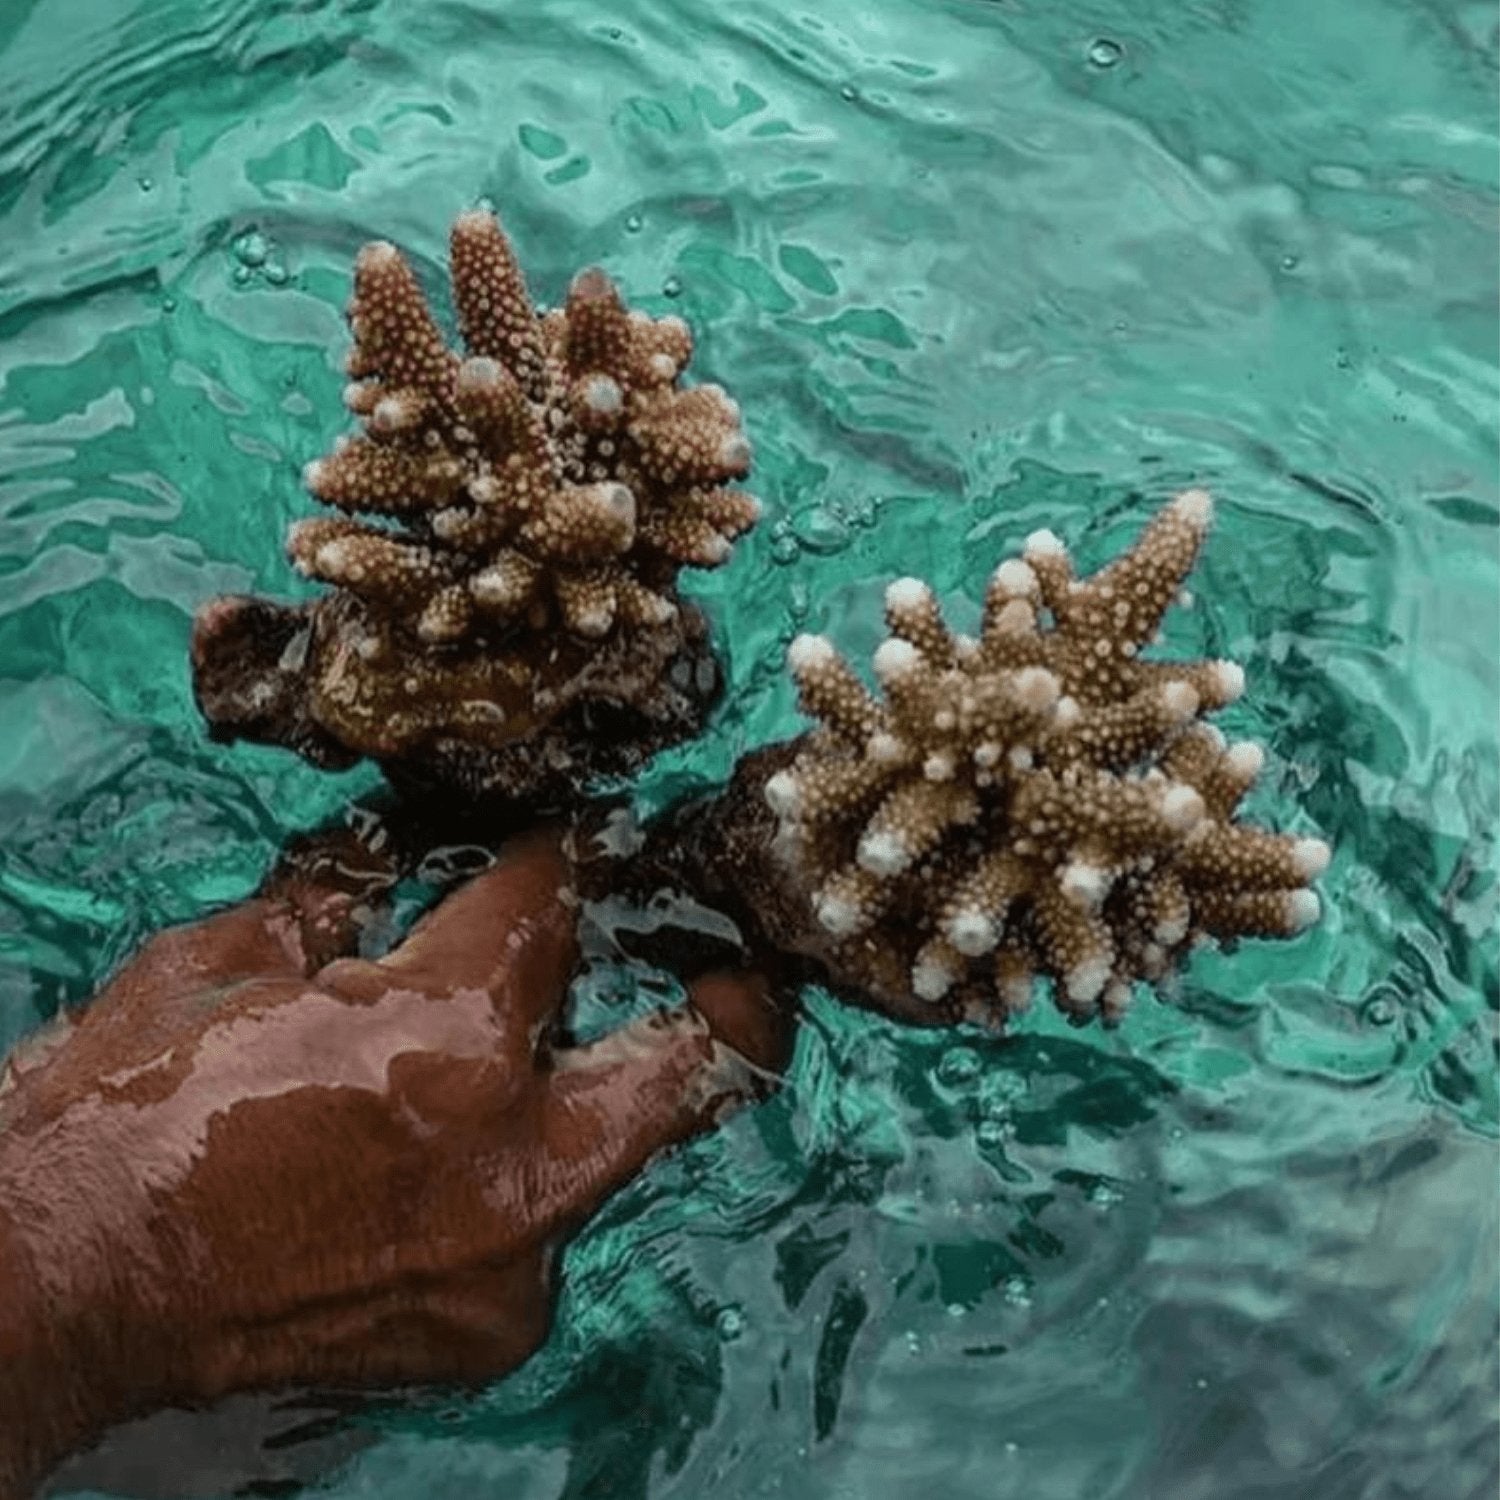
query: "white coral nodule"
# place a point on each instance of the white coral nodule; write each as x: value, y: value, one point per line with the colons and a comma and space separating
x: 1044, y: 803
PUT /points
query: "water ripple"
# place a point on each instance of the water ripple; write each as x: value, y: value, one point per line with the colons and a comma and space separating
x: 972, y: 268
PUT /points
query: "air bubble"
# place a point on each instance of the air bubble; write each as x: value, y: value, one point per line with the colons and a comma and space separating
x: 252, y: 249
x: 1104, y: 53
x: 672, y: 287
x: 633, y: 223
x: 1103, y: 1196
x: 1016, y: 1291
x: 730, y: 1324
x: 822, y: 531
x: 959, y: 1065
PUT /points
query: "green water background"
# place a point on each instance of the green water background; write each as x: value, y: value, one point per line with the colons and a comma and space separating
x: 971, y: 268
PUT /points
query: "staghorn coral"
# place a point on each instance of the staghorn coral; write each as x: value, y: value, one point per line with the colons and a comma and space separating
x: 512, y: 523
x: 1039, y: 802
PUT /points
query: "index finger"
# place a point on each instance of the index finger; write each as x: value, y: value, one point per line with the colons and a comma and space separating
x: 509, y: 930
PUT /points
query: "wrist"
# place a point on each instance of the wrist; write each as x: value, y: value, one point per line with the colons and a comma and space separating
x: 76, y: 1349
x: 28, y: 1441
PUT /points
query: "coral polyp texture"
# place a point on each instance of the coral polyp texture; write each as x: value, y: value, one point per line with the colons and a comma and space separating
x: 557, y: 474
x: 511, y: 520
x: 1039, y: 802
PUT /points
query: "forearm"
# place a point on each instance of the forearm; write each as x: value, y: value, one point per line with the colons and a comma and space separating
x: 36, y: 1410
x: 77, y: 1346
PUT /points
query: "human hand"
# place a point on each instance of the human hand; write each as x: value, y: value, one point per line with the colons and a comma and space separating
x: 247, y: 1166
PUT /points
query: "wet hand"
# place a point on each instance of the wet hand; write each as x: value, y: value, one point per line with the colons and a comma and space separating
x: 252, y: 1163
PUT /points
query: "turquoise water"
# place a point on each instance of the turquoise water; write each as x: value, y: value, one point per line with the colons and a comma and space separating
x: 971, y: 268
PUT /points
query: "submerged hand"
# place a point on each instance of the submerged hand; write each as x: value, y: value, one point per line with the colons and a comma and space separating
x: 246, y: 1166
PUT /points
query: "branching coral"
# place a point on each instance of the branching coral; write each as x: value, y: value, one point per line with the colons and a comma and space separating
x: 1039, y: 802
x: 513, y: 519
x: 557, y: 473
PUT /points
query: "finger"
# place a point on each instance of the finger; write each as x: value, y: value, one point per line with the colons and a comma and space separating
x: 509, y: 931
x: 618, y: 1102
x: 745, y: 1014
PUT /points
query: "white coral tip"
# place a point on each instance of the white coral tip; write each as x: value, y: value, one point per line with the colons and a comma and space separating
x: 593, y: 622
x: 479, y: 373
x: 1180, y: 700
x: 810, y: 653
x: 1171, y: 930
x: 663, y: 366
x: 987, y: 755
x: 617, y: 501
x: 837, y: 915
x: 1229, y: 678
x: 930, y: 980
x: 392, y: 413
x: 1044, y: 543
x: 883, y: 853
x: 496, y: 587
x: 484, y: 488
x: 1037, y: 688
x: 603, y: 395
x: 1015, y: 578
x: 906, y: 595
x: 376, y: 253
x: 1302, y: 909
x: 884, y: 748
x: 939, y: 766
x: 1182, y: 807
x: 314, y: 474
x: 657, y: 610
x: 1068, y: 713
x: 1086, y: 883
x: 734, y: 452
x: 1085, y: 981
x: 1246, y: 759
x: 1311, y: 857
x: 1196, y: 507
x: 896, y: 659
x: 784, y: 795
x: 971, y: 932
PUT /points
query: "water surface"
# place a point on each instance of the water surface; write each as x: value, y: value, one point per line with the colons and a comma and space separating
x: 972, y: 267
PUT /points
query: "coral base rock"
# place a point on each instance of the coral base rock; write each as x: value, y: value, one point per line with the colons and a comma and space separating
x: 483, y: 722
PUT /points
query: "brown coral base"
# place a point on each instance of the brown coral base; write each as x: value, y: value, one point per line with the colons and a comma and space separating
x: 261, y: 672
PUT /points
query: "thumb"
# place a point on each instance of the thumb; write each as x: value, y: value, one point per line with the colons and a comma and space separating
x: 744, y: 1014
x: 616, y: 1103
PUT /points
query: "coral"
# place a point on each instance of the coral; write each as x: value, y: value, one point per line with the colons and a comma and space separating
x: 532, y: 506
x: 1039, y: 802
